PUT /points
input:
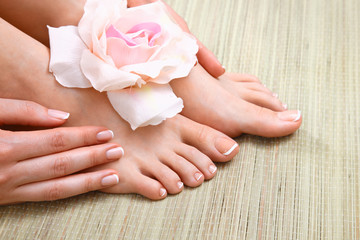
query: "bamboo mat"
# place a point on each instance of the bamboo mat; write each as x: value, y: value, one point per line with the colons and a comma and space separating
x: 305, y: 186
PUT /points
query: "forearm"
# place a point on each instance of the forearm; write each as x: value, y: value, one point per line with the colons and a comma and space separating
x: 32, y: 16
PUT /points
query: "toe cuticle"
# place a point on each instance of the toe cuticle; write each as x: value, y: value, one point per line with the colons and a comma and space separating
x: 162, y: 192
x: 212, y: 169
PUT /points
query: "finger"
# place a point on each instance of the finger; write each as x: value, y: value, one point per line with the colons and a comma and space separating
x: 19, y: 112
x: 66, y: 187
x: 26, y: 145
x: 65, y: 163
x: 206, y: 58
x: 209, y: 61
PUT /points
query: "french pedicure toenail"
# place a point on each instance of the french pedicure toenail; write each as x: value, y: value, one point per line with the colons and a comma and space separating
x: 58, y: 114
x: 293, y: 116
x: 162, y: 192
x: 180, y: 185
x: 198, y: 176
x: 225, y: 146
x: 105, y: 135
x: 110, y: 180
x: 115, y: 153
x: 212, y: 169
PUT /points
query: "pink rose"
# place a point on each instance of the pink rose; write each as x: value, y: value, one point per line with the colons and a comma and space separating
x: 132, y: 53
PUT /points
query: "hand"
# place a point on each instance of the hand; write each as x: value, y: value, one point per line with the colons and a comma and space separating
x: 205, y: 57
x: 40, y: 165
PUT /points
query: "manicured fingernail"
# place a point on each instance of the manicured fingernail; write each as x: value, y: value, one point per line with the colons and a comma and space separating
x: 105, y: 135
x: 115, y: 153
x: 212, y: 169
x: 110, y: 180
x: 198, y: 176
x: 290, y: 115
x: 58, y: 114
x: 225, y: 145
x: 180, y: 185
x: 285, y: 106
x: 162, y: 192
x: 224, y: 67
x: 275, y: 95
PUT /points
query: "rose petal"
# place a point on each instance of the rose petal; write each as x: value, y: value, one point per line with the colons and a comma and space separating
x: 65, y: 51
x: 149, y: 105
x: 105, y: 77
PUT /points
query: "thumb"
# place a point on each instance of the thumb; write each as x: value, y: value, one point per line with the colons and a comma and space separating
x: 19, y: 112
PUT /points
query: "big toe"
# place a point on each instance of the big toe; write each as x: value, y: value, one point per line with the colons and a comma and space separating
x: 267, y: 123
x: 216, y: 145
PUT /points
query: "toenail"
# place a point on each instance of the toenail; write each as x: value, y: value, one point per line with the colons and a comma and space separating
x: 285, y: 106
x: 212, y: 169
x: 110, y: 180
x: 198, y: 176
x: 115, y: 153
x: 162, y: 192
x: 180, y: 185
x: 105, y: 135
x: 290, y: 115
x: 275, y: 95
x: 225, y: 145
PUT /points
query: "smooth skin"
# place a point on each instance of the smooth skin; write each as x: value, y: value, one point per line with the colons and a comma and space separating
x: 231, y: 103
x: 40, y: 165
x: 158, y: 159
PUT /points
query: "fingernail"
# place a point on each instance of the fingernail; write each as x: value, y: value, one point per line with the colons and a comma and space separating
x: 223, y: 67
x: 275, y: 95
x: 290, y: 115
x: 180, y: 185
x: 162, y: 192
x: 110, y: 180
x: 58, y: 114
x: 225, y: 146
x: 198, y: 176
x: 115, y: 153
x: 285, y: 106
x: 212, y: 169
x: 105, y: 135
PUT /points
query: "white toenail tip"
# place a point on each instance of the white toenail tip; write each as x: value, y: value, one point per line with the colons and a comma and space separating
x: 275, y: 95
x: 162, y: 192
x: 285, y: 106
x: 231, y: 149
x: 117, y: 178
x: 298, y: 116
x: 180, y: 185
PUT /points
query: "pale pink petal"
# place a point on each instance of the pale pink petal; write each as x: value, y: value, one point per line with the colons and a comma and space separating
x: 152, y: 29
x: 105, y: 77
x: 149, y: 105
x: 99, y: 14
x: 122, y: 54
x: 112, y: 32
x: 66, y: 50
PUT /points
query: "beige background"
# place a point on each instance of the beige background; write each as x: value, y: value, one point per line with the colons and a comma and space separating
x: 305, y: 186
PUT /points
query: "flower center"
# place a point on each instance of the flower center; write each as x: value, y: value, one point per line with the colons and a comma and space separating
x: 139, y: 34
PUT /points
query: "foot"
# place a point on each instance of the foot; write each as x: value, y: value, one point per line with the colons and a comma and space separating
x: 158, y: 159
x: 234, y: 104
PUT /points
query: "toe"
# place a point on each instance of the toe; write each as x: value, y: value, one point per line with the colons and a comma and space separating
x: 132, y: 181
x: 187, y: 171
x: 214, y: 144
x: 267, y: 123
x: 263, y: 99
x: 166, y: 176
